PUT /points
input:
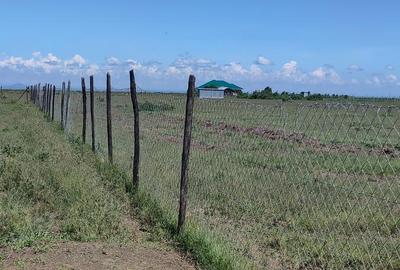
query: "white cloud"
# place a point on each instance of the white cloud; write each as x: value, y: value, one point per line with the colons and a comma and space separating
x: 185, y: 65
x: 289, y: 69
x: 235, y: 68
x: 148, y: 68
x: 183, y: 62
x: 289, y: 74
x: 51, y: 59
x: 326, y: 74
x: 389, y: 67
x: 261, y: 60
x: 47, y: 63
x: 256, y: 71
x: 92, y: 69
x: 319, y: 73
x: 75, y: 60
x: 354, y: 68
x: 376, y: 80
x: 391, y: 78
x: 383, y: 80
x: 113, y: 61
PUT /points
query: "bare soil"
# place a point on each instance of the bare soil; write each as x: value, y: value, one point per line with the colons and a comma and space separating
x: 138, y: 255
x: 76, y: 255
x: 301, y: 139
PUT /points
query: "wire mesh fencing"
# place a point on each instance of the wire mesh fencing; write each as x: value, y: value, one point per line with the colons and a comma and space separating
x: 279, y: 184
x: 309, y: 185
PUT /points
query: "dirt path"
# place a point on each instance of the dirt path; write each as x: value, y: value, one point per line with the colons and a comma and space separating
x: 141, y: 254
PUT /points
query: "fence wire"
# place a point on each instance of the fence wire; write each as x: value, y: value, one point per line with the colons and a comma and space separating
x: 281, y: 185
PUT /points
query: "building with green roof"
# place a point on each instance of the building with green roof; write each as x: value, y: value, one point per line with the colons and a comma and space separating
x: 218, y: 89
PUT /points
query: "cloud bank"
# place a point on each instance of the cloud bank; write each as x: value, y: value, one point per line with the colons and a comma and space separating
x: 172, y: 76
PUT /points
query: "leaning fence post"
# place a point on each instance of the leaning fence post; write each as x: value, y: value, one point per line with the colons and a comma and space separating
x: 49, y: 89
x: 187, y: 136
x: 67, y: 104
x: 83, y: 110
x: 136, y: 153
x: 109, y: 127
x: 62, y: 104
x: 92, y: 113
x: 52, y: 101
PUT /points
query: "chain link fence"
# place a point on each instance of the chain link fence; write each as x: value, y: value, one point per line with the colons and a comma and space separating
x: 280, y: 184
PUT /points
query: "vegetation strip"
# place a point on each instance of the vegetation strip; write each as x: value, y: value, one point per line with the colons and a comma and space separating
x: 47, y: 191
x: 71, y: 215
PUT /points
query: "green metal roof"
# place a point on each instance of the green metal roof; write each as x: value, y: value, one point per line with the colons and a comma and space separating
x: 218, y: 84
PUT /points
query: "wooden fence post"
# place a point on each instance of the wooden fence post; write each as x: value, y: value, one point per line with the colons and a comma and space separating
x: 62, y: 104
x: 46, y: 96
x: 35, y: 96
x: 109, y: 125
x: 136, y: 152
x: 67, y: 104
x: 43, y: 98
x: 92, y: 113
x: 38, y: 95
x: 52, y: 101
x: 27, y: 94
x: 83, y: 110
x: 47, y: 99
x: 187, y: 136
x: 49, y: 90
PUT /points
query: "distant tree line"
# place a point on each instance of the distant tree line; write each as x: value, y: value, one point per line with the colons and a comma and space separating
x: 267, y: 93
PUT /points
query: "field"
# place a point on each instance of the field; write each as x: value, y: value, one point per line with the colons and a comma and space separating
x: 60, y: 208
x: 272, y: 185
x: 279, y: 184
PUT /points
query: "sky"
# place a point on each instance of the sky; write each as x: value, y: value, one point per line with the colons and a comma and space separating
x: 345, y: 47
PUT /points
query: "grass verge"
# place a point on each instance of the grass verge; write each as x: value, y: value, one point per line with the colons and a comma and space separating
x: 48, y: 191
x: 51, y: 191
x: 208, y: 251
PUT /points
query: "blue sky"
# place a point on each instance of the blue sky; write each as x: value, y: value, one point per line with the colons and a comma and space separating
x: 326, y: 46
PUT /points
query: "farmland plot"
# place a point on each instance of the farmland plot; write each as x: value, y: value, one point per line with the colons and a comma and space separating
x: 279, y: 185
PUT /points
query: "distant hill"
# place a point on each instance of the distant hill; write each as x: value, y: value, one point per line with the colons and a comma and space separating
x: 14, y: 86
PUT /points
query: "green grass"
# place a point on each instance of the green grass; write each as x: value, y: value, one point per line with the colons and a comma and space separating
x: 262, y: 203
x: 52, y: 188
x: 49, y: 190
x: 271, y: 202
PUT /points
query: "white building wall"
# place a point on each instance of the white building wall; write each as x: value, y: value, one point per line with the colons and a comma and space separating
x: 205, y: 93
